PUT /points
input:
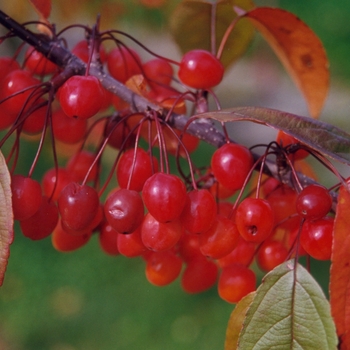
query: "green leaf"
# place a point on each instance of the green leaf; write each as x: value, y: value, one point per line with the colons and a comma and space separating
x: 235, y: 322
x: 190, y: 25
x: 6, y: 217
x: 319, y: 136
x: 289, y: 311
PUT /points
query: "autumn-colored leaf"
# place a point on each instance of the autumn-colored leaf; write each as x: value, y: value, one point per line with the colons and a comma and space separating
x: 300, y: 51
x: 190, y: 25
x: 319, y: 136
x: 340, y: 269
x: 235, y: 322
x: 6, y: 217
x: 289, y: 311
x: 43, y: 7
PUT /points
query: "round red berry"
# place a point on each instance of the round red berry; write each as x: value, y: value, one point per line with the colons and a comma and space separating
x: 200, y: 69
x: 81, y: 96
x: 231, y: 164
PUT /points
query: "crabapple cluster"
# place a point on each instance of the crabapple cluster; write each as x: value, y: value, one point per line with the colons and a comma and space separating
x: 181, y: 226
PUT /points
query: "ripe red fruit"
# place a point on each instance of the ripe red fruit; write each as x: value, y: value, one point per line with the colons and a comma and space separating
x: 160, y: 236
x: 139, y: 171
x: 78, y: 205
x: 162, y: 268
x: 199, y: 275
x: 188, y: 246
x: 66, y: 242
x: 54, y: 181
x: 79, y: 165
x: 37, y: 63
x: 123, y: 63
x: 255, y: 219
x: 199, y: 212
x: 231, y: 164
x: 81, y: 96
x: 242, y: 254
x: 66, y: 129
x: 283, y: 201
x: 164, y: 196
x: 42, y: 223
x: 200, y: 69
x: 131, y: 244
x: 7, y: 65
x: 34, y: 122
x: 21, y: 83
x: 271, y: 254
x: 235, y: 282
x: 316, y: 238
x: 124, y: 210
x: 26, y: 197
x: 313, y: 202
x: 108, y: 239
x: 158, y: 72
x: 220, y: 239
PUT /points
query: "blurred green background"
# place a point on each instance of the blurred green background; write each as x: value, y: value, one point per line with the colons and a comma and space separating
x: 87, y: 300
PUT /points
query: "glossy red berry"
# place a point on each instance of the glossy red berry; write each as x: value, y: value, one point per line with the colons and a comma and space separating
x: 283, y: 201
x: 78, y: 205
x: 26, y: 197
x: 313, y: 202
x: 242, y: 254
x: 68, y: 130
x: 81, y: 96
x: 34, y: 122
x: 131, y: 244
x: 7, y: 65
x: 108, y: 239
x: 18, y: 85
x: 160, y: 236
x: 255, y: 219
x: 220, y: 239
x: 42, y: 223
x: 164, y: 196
x: 135, y: 168
x: 124, y: 210
x: 317, y: 237
x: 231, y: 164
x: 162, y: 268
x: 54, y: 181
x: 200, y: 69
x: 199, y: 275
x: 82, y: 163
x: 123, y: 63
x: 66, y: 242
x: 235, y: 282
x: 158, y: 72
x: 199, y: 212
x: 271, y: 254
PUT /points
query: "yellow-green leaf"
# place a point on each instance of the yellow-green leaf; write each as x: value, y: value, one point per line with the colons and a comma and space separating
x: 6, y: 217
x: 289, y: 311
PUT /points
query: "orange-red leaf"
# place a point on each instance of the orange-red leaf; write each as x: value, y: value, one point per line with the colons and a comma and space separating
x: 43, y: 7
x: 340, y: 269
x: 300, y: 51
x: 6, y: 217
